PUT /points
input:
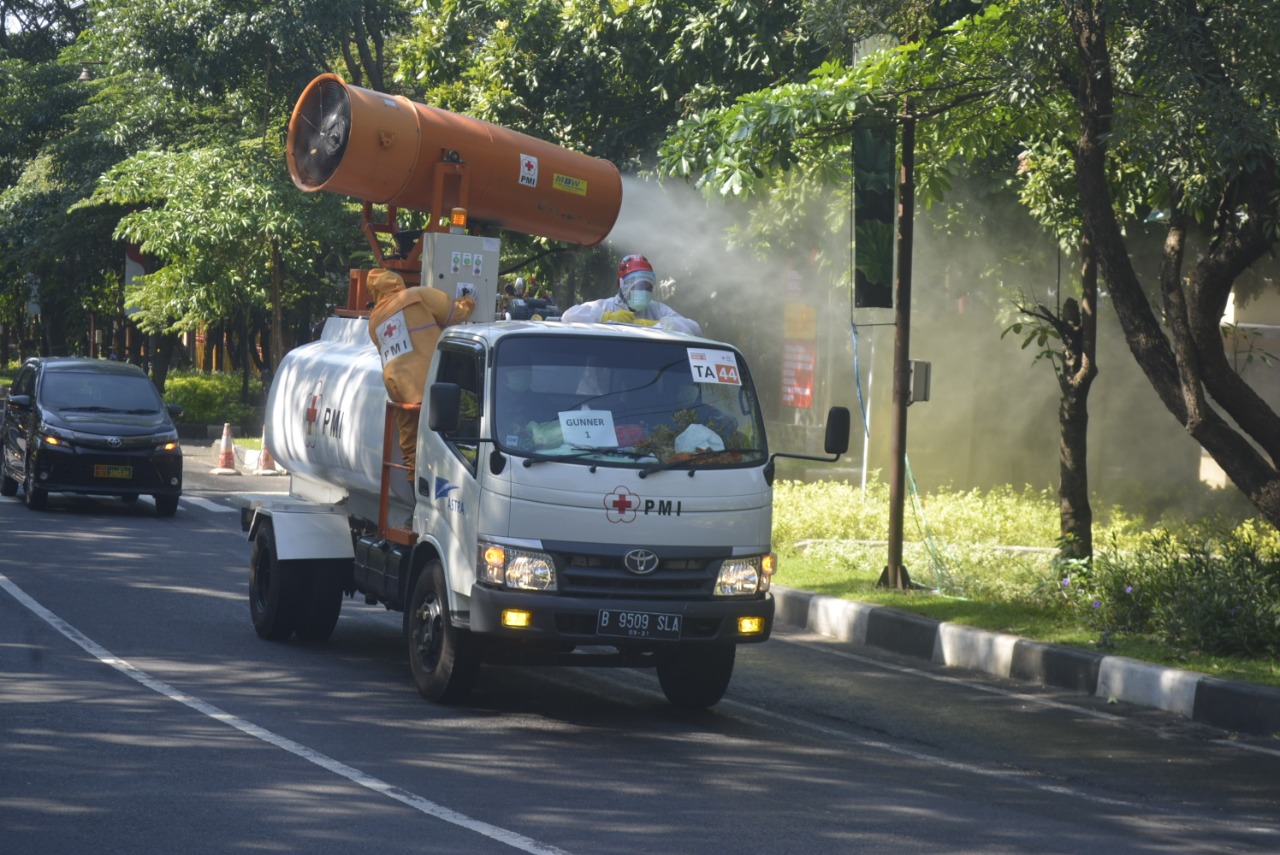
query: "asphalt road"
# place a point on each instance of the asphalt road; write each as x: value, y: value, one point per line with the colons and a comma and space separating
x: 139, y: 712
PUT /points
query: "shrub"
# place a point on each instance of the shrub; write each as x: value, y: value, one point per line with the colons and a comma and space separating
x: 212, y: 399
x: 1216, y: 592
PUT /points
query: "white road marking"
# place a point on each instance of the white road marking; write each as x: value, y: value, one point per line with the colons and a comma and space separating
x: 418, y: 803
x: 208, y: 505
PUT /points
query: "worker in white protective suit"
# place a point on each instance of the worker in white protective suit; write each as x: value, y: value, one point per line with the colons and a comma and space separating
x: 634, y: 303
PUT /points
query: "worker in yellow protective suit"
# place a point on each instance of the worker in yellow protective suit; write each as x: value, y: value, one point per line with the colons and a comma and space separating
x: 405, y: 325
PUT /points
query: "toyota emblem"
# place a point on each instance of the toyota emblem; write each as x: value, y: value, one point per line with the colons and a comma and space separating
x: 640, y: 561
x: 114, y: 441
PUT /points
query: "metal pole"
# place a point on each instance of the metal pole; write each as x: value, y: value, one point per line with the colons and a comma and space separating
x: 895, y: 575
x: 866, y: 397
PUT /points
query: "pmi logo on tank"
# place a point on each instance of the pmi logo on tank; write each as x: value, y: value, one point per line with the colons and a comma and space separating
x: 320, y: 420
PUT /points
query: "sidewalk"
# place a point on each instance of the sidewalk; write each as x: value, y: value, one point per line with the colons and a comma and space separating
x: 1227, y: 704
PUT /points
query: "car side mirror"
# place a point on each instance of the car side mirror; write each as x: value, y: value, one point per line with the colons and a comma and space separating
x: 445, y: 401
x: 837, y: 439
x: 20, y: 401
x: 175, y: 410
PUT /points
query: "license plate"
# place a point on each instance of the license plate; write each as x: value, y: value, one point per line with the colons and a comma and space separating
x: 102, y: 470
x: 623, y: 624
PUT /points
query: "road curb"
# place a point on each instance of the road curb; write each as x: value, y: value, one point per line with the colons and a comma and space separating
x: 1228, y: 704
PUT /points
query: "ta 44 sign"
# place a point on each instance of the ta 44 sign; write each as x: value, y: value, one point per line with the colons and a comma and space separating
x: 714, y: 366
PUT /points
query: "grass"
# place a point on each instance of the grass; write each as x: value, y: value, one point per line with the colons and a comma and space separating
x: 829, y: 541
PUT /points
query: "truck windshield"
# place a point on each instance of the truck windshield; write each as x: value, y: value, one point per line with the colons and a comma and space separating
x: 605, y: 401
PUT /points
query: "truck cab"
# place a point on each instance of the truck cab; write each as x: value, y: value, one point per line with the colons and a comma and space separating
x: 592, y: 486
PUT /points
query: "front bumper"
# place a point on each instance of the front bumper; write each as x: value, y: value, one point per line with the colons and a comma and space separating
x: 573, y: 620
x: 103, y: 473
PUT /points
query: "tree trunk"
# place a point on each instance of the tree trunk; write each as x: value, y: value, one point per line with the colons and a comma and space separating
x: 277, y: 310
x: 1079, y: 368
x: 1181, y: 372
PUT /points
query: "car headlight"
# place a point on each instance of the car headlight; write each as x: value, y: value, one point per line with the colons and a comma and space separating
x: 53, y: 437
x: 519, y: 569
x: 740, y: 577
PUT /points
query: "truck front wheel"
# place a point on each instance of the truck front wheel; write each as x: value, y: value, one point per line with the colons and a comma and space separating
x: 272, y: 589
x: 697, y: 676
x: 443, y: 658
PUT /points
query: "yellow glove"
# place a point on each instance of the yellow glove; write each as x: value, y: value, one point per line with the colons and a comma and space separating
x: 622, y: 316
x: 645, y: 322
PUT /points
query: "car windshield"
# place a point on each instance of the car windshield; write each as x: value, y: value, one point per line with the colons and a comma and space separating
x: 602, y: 401
x: 100, y: 392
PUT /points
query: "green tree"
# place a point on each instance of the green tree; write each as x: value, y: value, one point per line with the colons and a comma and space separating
x: 1157, y: 106
x: 182, y: 93
x: 606, y: 79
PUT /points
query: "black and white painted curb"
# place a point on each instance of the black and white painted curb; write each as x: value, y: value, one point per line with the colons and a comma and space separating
x: 1227, y: 704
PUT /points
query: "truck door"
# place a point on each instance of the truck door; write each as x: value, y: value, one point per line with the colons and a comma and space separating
x: 448, y: 489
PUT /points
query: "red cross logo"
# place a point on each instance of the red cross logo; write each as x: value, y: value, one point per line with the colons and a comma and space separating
x: 620, y: 505
x: 389, y: 330
x: 312, y: 413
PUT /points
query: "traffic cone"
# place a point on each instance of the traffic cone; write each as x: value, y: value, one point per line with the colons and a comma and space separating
x: 226, y: 454
x: 266, y: 463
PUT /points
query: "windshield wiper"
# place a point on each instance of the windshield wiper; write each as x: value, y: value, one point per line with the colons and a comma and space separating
x: 92, y: 409
x: 581, y: 452
x: 699, y: 455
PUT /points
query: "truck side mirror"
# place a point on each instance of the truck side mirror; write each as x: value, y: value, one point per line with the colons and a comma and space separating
x: 837, y: 440
x: 445, y: 400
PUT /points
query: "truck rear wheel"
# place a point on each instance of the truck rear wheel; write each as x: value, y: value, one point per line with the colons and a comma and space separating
x: 272, y: 589
x: 443, y: 658
x: 321, y: 601
x: 696, y: 677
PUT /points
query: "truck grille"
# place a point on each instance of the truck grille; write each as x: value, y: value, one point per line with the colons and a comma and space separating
x: 606, y: 576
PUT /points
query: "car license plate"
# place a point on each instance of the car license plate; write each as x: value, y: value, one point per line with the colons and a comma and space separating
x: 625, y: 624
x: 102, y: 470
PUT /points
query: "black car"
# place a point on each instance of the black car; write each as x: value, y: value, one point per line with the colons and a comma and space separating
x: 75, y: 425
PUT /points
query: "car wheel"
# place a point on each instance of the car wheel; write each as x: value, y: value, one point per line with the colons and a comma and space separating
x: 272, y: 589
x: 8, y: 485
x: 37, y: 497
x: 696, y: 677
x: 166, y: 505
x: 443, y: 659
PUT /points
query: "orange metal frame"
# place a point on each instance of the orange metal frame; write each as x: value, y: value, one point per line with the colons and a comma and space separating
x: 395, y: 534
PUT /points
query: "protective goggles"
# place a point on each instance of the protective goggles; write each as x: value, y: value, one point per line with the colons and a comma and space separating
x: 638, y: 280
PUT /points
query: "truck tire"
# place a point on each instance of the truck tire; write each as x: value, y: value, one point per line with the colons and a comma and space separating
x: 696, y: 677
x: 273, y: 599
x: 443, y: 659
x: 321, y: 601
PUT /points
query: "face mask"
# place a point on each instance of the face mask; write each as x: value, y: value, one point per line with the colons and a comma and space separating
x: 639, y: 300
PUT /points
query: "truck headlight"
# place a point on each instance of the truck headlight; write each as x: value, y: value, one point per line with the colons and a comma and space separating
x: 740, y: 577
x: 519, y: 569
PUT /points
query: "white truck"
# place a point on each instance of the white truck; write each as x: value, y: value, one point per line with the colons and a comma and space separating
x: 583, y: 494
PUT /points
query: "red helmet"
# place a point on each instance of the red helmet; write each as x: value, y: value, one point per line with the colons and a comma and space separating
x: 635, y: 274
x: 633, y: 262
